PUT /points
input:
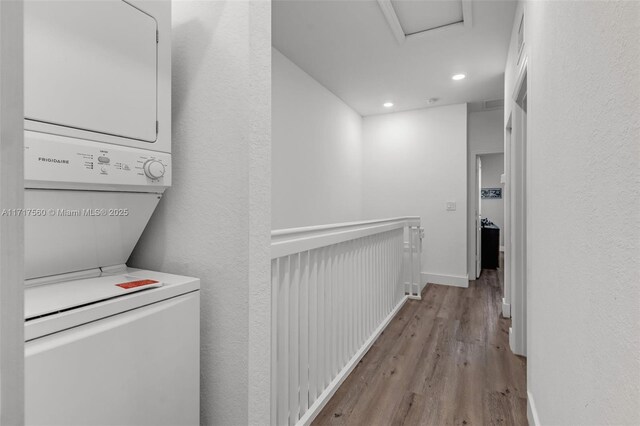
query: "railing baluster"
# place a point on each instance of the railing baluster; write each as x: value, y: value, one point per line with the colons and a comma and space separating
x: 294, y: 345
x: 383, y: 273
x: 373, y: 285
x: 275, y: 322
x: 354, y: 297
x: 313, y: 325
x: 322, y: 297
x: 335, y: 303
x: 395, y: 268
x: 344, y: 307
x: 383, y: 278
x: 283, y: 342
x: 375, y: 288
x: 348, y: 327
x: 398, y: 267
x: 339, y: 300
x: 348, y: 311
x: 388, y: 290
x: 303, y: 333
x: 329, y: 315
x: 359, y: 313
x: 380, y: 277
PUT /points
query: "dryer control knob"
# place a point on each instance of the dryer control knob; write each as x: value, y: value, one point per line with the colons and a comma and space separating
x: 154, y: 169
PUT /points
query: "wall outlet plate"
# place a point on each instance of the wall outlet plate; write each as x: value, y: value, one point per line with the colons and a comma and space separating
x: 451, y: 206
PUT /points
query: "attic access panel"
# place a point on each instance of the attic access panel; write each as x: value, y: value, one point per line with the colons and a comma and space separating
x: 420, y: 16
x: 91, y: 65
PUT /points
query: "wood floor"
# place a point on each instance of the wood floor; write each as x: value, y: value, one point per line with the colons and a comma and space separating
x: 444, y: 360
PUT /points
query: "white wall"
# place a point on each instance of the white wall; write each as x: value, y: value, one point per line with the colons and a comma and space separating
x: 214, y: 223
x: 414, y: 163
x: 317, y: 152
x: 583, y: 222
x: 11, y: 226
x: 485, y: 136
x: 493, y: 208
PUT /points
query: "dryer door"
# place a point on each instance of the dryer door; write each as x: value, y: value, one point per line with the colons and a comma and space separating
x: 91, y: 65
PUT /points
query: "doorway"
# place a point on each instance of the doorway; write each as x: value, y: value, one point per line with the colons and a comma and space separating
x: 489, y: 210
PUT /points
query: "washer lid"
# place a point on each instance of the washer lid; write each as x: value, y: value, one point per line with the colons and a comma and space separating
x: 51, y: 308
x: 50, y: 299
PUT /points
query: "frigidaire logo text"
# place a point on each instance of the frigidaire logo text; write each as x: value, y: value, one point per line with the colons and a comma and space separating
x: 53, y: 160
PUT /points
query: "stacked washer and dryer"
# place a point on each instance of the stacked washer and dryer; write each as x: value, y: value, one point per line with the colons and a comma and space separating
x: 105, y: 344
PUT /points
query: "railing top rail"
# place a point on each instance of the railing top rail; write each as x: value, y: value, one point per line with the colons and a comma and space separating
x: 412, y: 220
x: 295, y: 240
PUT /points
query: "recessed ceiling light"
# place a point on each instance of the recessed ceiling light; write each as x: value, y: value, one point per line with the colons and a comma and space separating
x: 458, y: 77
x: 387, y: 104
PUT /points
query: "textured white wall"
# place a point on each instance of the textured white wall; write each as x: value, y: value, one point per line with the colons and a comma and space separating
x: 583, y: 211
x: 214, y: 223
x: 485, y: 135
x: 414, y: 163
x: 317, y: 152
x: 11, y: 227
x: 493, y: 209
x: 486, y: 131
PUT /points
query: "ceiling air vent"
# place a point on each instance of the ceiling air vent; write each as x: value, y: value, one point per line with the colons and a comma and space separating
x: 494, y: 104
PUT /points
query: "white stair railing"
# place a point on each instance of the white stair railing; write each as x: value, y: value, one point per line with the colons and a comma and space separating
x: 334, y: 290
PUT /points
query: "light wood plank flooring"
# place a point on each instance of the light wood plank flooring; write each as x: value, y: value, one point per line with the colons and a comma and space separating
x: 444, y: 360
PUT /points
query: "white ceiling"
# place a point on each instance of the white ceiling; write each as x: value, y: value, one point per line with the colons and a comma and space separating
x: 349, y: 48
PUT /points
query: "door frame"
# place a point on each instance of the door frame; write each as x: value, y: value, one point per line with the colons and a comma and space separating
x: 506, y: 182
x: 11, y: 225
x: 478, y: 216
x: 518, y: 190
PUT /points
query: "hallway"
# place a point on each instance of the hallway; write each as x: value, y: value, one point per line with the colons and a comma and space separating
x: 442, y: 360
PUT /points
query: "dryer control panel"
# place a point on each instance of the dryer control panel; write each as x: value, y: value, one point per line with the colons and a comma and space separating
x: 52, y: 161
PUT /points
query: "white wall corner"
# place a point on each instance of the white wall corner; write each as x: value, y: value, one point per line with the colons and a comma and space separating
x: 506, y: 309
x: 452, y: 280
x: 259, y: 263
x: 532, y: 413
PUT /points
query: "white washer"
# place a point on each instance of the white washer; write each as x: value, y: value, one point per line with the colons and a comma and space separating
x: 105, y: 344
x: 100, y: 354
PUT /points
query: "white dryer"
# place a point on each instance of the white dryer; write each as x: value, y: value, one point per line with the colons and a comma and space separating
x: 105, y: 344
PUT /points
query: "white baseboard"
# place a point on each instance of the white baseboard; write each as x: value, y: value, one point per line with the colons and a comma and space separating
x: 453, y: 280
x: 513, y: 346
x: 325, y: 396
x: 512, y: 340
x: 506, y: 309
x: 502, y: 248
x: 532, y: 413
